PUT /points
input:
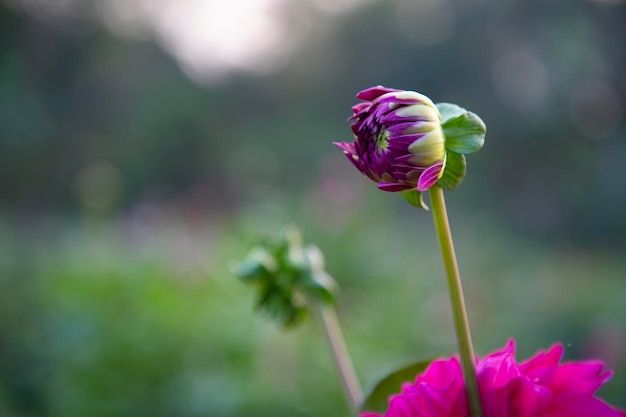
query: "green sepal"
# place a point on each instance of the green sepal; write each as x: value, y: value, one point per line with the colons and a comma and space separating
x: 449, y: 111
x: 464, y: 131
x: 454, y: 171
x: 415, y: 198
x: 376, y: 399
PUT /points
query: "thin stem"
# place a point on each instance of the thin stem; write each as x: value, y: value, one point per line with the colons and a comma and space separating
x: 349, y: 380
x: 461, y: 324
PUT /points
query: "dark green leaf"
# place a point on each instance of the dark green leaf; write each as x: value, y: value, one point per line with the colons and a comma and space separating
x: 454, y: 171
x: 376, y: 399
x: 464, y: 133
x: 414, y: 198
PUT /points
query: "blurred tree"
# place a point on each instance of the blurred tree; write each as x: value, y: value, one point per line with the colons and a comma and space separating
x: 547, y: 79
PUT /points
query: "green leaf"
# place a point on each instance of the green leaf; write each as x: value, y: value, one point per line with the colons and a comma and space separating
x: 376, y: 399
x: 449, y: 111
x: 464, y: 133
x: 454, y: 172
x: 256, y: 265
x: 414, y: 198
x: 315, y: 281
x: 320, y: 286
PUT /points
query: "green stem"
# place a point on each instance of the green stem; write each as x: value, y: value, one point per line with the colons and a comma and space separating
x: 349, y: 380
x: 461, y: 324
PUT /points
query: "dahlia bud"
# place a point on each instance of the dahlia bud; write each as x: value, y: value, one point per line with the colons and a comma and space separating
x: 407, y: 144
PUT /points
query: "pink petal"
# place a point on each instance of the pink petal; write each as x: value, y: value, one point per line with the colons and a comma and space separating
x: 580, y: 378
x: 358, y: 108
x: 442, y: 373
x: 345, y: 146
x: 543, y: 367
x: 393, y: 187
x: 543, y: 360
x: 429, y: 177
x: 373, y: 93
x: 404, y: 405
x: 497, y: 370
x: 575, y: 405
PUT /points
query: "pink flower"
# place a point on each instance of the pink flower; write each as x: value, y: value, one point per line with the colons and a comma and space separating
x: 539, y: 387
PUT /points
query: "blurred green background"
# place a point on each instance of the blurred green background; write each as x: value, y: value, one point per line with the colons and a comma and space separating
x: 146, y: 145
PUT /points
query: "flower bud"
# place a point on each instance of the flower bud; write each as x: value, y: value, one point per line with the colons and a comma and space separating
x: 406, y: 143
x: 399, y: 141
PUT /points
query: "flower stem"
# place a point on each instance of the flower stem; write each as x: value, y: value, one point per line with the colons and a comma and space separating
x: 461, y: 324
x: 349, y: 380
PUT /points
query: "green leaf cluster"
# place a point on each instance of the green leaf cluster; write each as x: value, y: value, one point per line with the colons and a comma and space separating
x: 465, y: 134
x: 288, y: 277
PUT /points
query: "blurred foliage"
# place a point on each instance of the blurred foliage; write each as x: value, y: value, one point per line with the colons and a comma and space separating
x: 126, y: 189
x: 140, y: 317
x: 289, y: 277
x: 545, y: 76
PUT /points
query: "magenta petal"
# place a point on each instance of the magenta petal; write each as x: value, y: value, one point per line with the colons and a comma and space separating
x: 582, y: 377
x: 393, y: 187
x: 437, y: 401
x: 403, y: 406
x: 543, y: 360
x: 499, y: 368
x: 441, y: 373
x: 358, y: 108
x: 405, y: 159
x: 574, y: 405
x: 529, y: 399
x: 346, y: 147
x: 429, y: 177
x: 498, y: 371
x: 373, y: 93
x: 407, y: 168
x: 380, y: 112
